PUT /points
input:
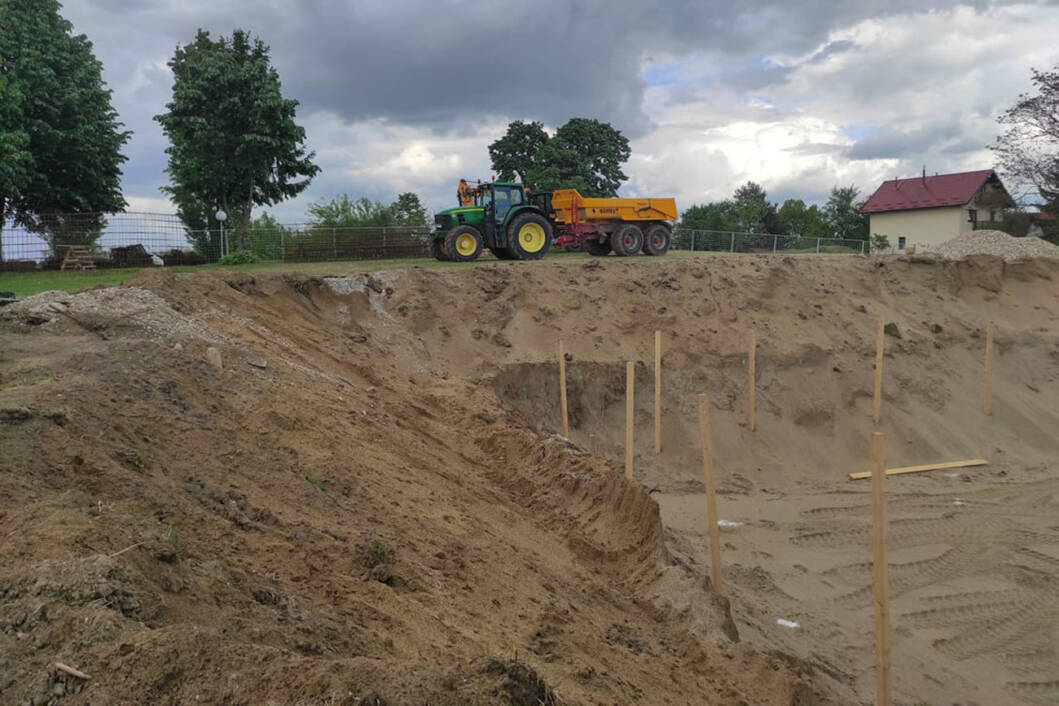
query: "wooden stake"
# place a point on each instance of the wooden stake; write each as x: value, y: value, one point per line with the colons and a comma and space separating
x: 987, y: 403
x: 71, y: 671
x: 877, y: 406
x: 881, y: 569
x: 751, y: 386
x: 658, y: 392
x: 630, y: 383
x: 711, y: 498
x: 562, y: 391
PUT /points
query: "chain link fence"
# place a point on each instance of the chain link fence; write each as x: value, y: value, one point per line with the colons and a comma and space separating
x: 145, y: 239
x: 728, y: 241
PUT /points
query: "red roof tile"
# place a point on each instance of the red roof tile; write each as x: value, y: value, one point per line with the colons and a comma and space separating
x: 926, y: 192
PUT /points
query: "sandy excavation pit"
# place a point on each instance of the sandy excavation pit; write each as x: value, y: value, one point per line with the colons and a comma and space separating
x: 369, y: 502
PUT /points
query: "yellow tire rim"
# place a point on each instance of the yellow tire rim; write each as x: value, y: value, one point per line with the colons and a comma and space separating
x: 532, y: 237
x: 466, y: 244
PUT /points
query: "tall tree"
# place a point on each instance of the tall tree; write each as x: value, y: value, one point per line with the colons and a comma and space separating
x: 1028, y: 151
x: 798, y: 219
x: 408, y: 210
x: 60, y: 139
x: 344, y: 212
x: 711, y: 216
x: 843, y: 216
x: 584, y: 154
x: 752, y: 211
x: 233, y: 140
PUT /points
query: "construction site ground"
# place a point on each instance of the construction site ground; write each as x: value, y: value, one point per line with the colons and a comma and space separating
x: 368, y: 500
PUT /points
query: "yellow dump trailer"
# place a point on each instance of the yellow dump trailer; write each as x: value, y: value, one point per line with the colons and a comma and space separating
x: 624, y: 226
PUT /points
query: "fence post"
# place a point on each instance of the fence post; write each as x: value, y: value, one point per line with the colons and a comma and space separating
x: 862, y: 247
x: 282, y: 247
x: 731, y: 248
x: 775, y: 242
x: 384, y: 253
x: 334, y: 244
x: 818, y: 245
x: 692, y: 241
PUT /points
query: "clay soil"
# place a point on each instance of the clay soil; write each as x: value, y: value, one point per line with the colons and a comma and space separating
x: 369, y: 503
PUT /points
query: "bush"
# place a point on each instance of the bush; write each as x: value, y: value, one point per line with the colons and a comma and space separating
x: 242, y: 257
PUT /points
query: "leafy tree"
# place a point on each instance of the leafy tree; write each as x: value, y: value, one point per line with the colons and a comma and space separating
x: 880, y: 242
x: 718, y: 215
x: 1029, y: 150
x: 60, y: 139
x: 752, y: 211
x: 408, y: 210
x: 584, y: 154
x: 798, y: 219
x: 516, y: 153
x: 343, y: 212
x: 233, y: 140
x: 843, y: 216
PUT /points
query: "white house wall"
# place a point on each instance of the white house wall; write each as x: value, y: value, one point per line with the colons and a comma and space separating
x: 921, y: 227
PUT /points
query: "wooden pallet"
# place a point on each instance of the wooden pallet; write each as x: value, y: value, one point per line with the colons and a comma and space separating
x: 77, y: 257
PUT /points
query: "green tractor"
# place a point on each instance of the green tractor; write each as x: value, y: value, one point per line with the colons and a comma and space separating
x: 499, y: 216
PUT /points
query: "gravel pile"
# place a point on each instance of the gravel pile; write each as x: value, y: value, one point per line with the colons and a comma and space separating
x: 112, y: 307
x: 994, y: 242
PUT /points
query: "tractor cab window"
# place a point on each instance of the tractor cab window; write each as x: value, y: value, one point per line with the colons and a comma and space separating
x: 502, y: 199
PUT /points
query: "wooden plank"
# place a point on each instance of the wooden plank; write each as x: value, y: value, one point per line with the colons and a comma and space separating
x: 658, y: 392
x: 751, y: 383
x: 987, y: 402
x: 924, y: 467
x: 877, y: 400
x: 881, y: 570
x: 562, y: 391
x: 711, y: 497
x: 630, y: 383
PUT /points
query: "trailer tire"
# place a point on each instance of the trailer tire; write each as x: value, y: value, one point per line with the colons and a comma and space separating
x: 627, y: 239
x: 656, y: 239
x: 529, y: 236
x: 437, y: 249
x: 598, y: 248
x: 463, y: 244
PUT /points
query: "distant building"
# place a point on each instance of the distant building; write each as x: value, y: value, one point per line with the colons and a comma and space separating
x: 928, y: 210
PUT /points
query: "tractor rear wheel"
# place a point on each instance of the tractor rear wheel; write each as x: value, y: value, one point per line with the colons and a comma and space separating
x: 437, y: 249
x: 599, y: 248
x: 656, y: 239
x: 529, y: 236
x: 463, y: 244
x: 627, y: 239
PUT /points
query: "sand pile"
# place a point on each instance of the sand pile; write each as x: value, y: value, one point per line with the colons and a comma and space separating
x: 994, y: 242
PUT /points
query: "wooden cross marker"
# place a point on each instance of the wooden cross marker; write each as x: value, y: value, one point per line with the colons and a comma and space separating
x: 987, y: 401
x: 877, y: 405
x: 881, y: 571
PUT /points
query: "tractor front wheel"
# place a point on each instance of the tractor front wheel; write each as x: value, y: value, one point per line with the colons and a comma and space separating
x: 529, y: 236
x: 463, y: 244
x: 656, y: 239
x: 598, y: 248
x: 627, y: 239
x: 437, y: 249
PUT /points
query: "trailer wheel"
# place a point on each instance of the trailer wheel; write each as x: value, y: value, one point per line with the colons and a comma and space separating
x: 463, y: 244
x: 656, y: 239
x: 627, y: 239
x: 529, y: 236
x: 437, y: 249
x: 599, y: 248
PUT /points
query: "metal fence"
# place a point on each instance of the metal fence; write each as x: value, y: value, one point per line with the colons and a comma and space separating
x: 727, y: 241
x: 144, y: 239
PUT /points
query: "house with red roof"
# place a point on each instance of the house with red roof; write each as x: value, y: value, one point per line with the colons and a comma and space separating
x: 928, y: 210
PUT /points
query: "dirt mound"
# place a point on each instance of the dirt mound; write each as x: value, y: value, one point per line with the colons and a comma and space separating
x: 367, y: 501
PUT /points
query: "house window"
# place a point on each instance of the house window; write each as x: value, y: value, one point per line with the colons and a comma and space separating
x: 900, y: 242
x: 972, y: 216
x: 992, y: 214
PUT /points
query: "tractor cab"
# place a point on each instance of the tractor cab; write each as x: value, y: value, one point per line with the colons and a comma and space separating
x: 496, y: 215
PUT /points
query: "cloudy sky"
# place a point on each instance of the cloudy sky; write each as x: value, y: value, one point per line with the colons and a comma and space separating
x: 405, y: 95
